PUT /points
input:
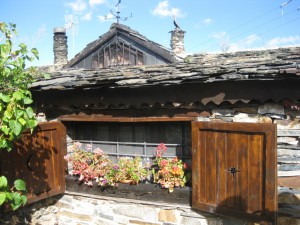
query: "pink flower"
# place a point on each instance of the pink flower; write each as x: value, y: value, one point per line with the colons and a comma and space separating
x: 175, y: 160
x: 98, y: 151
x: 88, y: 147
x: 163, y: 162
x: 162, y: 147
x: 67, y: 157
x: 185, y: 166
x: 78, y: 144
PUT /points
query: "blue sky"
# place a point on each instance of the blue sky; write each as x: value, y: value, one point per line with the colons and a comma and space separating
x: 211, y: 26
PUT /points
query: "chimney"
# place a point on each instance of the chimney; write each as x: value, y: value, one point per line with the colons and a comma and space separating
x: 60, y: 46
x: 177, y: 41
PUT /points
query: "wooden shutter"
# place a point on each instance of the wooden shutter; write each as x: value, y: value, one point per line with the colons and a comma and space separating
x: 38, y: 160
x: 235, y: 170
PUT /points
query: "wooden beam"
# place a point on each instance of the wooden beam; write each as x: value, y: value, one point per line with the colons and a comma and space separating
x: 101, y: 118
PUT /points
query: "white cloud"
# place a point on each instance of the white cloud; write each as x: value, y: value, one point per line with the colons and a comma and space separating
x: 105, y: 18
x: 283, y: 41
x: 96, y: 2
x: 251, y: 39
x: 207, y: 21
x: 219, y: 35
x: 163, y: 9
x: 247, y: 43
x: 87, y: 16
x: 78, y: 6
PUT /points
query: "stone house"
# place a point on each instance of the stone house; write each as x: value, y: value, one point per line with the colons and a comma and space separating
x: 124, y: 88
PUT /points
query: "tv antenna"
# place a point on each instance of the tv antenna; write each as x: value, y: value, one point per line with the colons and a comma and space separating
x: 117, y: 14
x: 72, y: 24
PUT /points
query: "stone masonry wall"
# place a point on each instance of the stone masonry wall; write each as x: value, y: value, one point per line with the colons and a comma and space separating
x: 75, y: 208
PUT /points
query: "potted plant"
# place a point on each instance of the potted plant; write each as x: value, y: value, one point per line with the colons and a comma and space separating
x: 88, y: 163
x: 169, y: 173
x: 128, y: 170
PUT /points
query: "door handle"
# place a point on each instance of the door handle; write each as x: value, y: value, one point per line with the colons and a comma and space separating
x: 233, y: 171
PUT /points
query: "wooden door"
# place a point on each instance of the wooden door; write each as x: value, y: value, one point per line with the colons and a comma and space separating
x: 38, y: 159
x: 235, y: 170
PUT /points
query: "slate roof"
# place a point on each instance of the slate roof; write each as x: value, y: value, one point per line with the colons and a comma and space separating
x: 274, y: 64
x: 127, y: 31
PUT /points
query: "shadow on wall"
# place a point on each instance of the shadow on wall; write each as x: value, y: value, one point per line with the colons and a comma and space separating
x: 235, y: 211
x: 31, y: 160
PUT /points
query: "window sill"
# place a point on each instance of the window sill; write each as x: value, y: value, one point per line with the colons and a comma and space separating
x: 141, y: 192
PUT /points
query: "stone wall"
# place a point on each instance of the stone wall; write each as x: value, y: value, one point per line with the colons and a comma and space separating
x: 74, y: 209
x: 89, y: 210
x: 60, y: 47
x: 79, y: 208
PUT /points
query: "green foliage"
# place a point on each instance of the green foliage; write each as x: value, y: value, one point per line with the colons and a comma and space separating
x: 15, y: 196
x: 16, y: 115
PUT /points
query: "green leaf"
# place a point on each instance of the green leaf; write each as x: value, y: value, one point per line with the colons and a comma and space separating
x: 3, y: 182
x: 4, y: 50
x: 5, y: 129
x: 18, y: 95
x: 32, y: 123
x: 35, y: 52
x: 29, y: 112
x: 23, y: 48
x: 15, y: 126
x: 19, y: 113
x: 22, y: 121
x: 27, y: 101
x: 24, y: 199
x: 4, y: 97
x: 3, y: 143
x: 16, y: 201
x: 7, y: 114
x: 9, y: 196
x: 20, y: 185
x: 2, y: 197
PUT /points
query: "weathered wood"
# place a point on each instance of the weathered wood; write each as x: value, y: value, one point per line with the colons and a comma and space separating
x: 95, y: 118
x: 38, y: 160
x: 142, y: 192
x: 235, y: 170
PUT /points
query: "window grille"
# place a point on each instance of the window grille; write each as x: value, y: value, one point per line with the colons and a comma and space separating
x: 117, y: 53
x: 146, y: 151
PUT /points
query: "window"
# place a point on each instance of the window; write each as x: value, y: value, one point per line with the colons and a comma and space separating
x: 117, y: 54
x: 136, y: 139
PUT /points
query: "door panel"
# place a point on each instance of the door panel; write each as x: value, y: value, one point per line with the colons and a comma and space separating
x: 38, y: 159
x: 235, y: 170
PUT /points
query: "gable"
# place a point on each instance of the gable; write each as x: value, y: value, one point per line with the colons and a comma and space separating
x: 121, y: 46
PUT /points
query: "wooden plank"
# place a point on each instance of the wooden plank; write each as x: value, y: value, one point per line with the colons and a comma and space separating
x: 221, y: 175
x: 202, y: 148
x: 242, y: 175
x: 255, y: 176
x: 195, y: 165
x: 101, y: 118
x: 38, y: 160
x: 230, y: 162
x: 251, y: 192
x: 210, y: 175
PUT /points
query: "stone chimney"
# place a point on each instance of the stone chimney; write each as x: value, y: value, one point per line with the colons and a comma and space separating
x: 60, y: 46
x: 177, y: 41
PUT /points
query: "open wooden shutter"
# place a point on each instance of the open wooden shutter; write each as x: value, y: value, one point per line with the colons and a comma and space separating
x: 235, y: 170
x: 38, y: 160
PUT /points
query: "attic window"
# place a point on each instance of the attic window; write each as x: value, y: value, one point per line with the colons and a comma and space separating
x: 117, y: 54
